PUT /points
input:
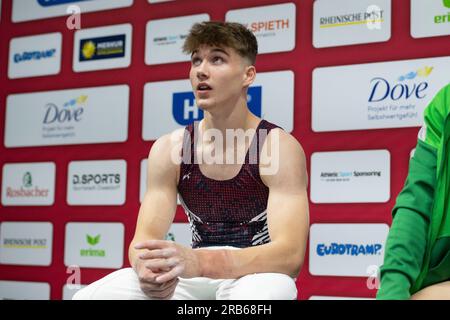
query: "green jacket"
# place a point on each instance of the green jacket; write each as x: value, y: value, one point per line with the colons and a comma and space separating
x: 417, y: 252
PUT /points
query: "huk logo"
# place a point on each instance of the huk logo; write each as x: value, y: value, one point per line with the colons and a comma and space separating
x: 71, y: 111
x: 185, y: 110
x: 405, y: 88
x: 92, y: 252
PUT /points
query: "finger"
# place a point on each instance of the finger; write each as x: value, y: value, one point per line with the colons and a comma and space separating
x: 157, y: 253
x: 161, y: 292
x: 167, y: 276
x: 152, y: 244
x: 161, y: 286
x: 163, y: 264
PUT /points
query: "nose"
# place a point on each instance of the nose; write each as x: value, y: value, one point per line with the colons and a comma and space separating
x: 202, y: 71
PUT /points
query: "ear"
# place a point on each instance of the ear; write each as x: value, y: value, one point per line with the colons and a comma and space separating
x: 249, y: 75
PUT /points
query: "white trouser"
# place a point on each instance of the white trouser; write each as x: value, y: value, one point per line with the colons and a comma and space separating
x: 124, y: 285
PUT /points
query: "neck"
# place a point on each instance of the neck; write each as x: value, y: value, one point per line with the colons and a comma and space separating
x: 238, y: 117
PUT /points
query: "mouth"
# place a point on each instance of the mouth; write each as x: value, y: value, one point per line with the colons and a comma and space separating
x: 203, y: 87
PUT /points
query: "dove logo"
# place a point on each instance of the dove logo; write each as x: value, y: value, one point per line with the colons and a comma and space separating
x: 71, y: 111
x: 403, y: 88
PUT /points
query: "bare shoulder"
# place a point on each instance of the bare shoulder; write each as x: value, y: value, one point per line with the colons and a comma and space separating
x: 165, y: 154
x: 284, y: 155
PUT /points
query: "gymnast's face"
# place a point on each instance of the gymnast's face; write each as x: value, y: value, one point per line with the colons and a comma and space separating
x: 218, y: 76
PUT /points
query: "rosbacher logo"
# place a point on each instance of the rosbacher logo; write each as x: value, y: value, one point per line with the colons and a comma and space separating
x: 92, y: 251
x: 348, y: 249
x: 443, y: 18
x: 27, y: 190
x: 355, y: 18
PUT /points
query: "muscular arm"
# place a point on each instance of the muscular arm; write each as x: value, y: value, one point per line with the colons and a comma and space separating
x: 159, y: 205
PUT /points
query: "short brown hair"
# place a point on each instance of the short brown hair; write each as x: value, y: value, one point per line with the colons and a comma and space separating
x: 222, y: 34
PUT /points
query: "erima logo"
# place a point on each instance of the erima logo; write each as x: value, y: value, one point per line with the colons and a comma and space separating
x: 185, y: 110
x: 49, y: 3
x: 91, y: 252
x: 446, y: 3
x: 348, y: 249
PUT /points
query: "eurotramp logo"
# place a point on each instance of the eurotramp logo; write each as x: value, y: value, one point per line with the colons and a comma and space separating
x: 34, y: 55
x: 348, y: 249
x: 185, y: 111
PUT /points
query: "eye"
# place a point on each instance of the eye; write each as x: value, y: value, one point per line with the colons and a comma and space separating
x: 196, y: 61
x: 217, y: 60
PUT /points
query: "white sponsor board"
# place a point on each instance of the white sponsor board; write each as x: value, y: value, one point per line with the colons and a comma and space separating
x: 37, y: 55
x: 169, y: 105
x: 94, y: 245
x: 74, y: 116
x: 430, y: 18
x: 25, y: 10
x: 24, y: 290
x: 102, y: 48
x: 69, y: 290
x: 26, y: 243
x: 350, y: 176
x: 97, y: 182
x: 165, y: 38
x: 347, y: 22
x: 376, y: 95
x: 273, y: 26
x: 351, y: 250
x: 28, y: 184
x: 180, y: 233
